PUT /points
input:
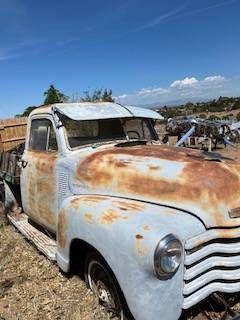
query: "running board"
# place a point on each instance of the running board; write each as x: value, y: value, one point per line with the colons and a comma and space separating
x: 45, y: 244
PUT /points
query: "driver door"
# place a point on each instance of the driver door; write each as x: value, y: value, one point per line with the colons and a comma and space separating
x: 38, y: 176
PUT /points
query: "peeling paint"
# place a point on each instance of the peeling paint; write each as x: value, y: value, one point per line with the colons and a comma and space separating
x: 88, y: 218
x: 181, y: 178
x: 41, y: 188
x: 62, y: 227
x: 146, y: 228
x: 140, y: 247
x: 129, y: 205
x: 111, y: 216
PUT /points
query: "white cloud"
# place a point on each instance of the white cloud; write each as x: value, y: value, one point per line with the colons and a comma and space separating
x: 187, y: 82
x: 187, y: 89
x: 123, y: 96
x: 214, y: 78
x: 151, y: 91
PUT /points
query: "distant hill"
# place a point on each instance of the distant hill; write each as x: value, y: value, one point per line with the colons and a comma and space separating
x: 222, y: 108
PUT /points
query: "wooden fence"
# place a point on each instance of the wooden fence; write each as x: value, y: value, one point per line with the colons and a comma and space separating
x: 12, y: 132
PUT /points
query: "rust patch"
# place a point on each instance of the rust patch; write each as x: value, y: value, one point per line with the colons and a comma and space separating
x: 129, y: 205
x: 98, y: 168
x: 110, y: 216
x: 41, y: 184
x: 202, y: 182
x: 95, y: 198
x: 44, y: 161
x: 89, y: 199
x: 170, y: 211
x: 75, y: 203
x: 141, y: 249
x: 234, y: 213
x: 146, y: 228
x: 191, y: 181
x: 150, y: 151
x: 46, y: 214
x: 154, y: 167
x: 62, y: 227
x: 88, y: 218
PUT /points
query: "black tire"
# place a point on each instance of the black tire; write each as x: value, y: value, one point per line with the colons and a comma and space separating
x: 101, y: 280
x: 2, y: 198
x: 2, y: 208
x: 3, y: 218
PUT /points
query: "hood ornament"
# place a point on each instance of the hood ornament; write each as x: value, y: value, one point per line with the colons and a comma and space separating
x: 234, y: 213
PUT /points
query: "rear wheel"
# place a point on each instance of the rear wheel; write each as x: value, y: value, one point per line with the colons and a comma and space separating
x: 2, y: 196
x: 102, y: 282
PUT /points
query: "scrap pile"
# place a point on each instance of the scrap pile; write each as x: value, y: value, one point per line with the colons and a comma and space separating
x: 219, y: 132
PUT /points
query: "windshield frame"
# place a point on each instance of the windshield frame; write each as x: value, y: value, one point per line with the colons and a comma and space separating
x: 149, y: 122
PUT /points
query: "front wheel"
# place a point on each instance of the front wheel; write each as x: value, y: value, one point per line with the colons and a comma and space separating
x: 102, y: 282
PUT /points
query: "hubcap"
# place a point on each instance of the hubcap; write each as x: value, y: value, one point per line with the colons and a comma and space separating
x: 102, y: 285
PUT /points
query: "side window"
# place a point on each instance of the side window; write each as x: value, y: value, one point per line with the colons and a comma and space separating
x: 147, y: 133
x: 42, y: 136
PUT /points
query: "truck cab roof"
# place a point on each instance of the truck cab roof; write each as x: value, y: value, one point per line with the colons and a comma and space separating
x: 97, y: 110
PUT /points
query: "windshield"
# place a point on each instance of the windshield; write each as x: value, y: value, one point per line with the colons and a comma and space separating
x: 80, y: 133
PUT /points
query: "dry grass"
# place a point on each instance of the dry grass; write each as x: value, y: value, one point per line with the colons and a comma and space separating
x: 31, y: 287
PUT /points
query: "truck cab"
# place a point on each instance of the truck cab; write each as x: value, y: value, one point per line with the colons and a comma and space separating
x: 58, y: 134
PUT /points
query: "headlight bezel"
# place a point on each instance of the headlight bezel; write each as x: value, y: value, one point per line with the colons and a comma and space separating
x: 159, y: 252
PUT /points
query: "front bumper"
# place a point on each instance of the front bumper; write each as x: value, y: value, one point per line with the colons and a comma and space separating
x: 212, y: 264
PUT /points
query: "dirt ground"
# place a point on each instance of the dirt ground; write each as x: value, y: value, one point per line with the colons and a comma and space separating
x: 32, y: 288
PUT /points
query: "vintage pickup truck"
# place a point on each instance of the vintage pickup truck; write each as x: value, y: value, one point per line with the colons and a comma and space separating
x: 156, y: 228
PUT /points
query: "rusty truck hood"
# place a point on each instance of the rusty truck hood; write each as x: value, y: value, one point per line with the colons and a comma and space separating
x: 176, y: 177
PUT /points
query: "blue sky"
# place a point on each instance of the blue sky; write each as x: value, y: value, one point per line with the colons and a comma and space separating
x: 146, y: 51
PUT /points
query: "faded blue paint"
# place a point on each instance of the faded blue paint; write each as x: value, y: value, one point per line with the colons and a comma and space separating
x: 103, y: 110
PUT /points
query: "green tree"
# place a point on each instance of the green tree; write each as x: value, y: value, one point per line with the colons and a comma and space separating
x: 98, y: 95
x: 107, y: 95
x: 238, y: 116
x: 26, y: 112
x: 53, y: 95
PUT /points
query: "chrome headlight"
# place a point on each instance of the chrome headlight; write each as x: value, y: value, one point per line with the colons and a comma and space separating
x: 168, y: 256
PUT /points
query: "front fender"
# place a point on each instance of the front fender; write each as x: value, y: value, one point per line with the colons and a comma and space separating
x: 126, y: 233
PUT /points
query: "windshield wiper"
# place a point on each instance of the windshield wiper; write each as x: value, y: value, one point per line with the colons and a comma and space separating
x: 100, y: 143
x: 131, y: 143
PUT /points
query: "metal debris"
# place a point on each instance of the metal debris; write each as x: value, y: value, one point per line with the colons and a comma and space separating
x: 219, y: 132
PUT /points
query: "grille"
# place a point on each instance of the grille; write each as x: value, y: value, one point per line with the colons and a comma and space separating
x: 212, y: 263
